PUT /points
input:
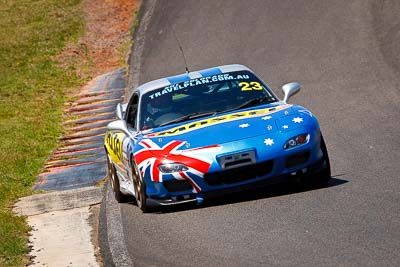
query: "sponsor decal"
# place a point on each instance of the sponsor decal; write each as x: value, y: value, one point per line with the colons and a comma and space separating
x: 113, y: 142
x: 217, y: 120
x: 206, y: 80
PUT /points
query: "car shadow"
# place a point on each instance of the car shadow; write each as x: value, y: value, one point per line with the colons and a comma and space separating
x: 270, y: 191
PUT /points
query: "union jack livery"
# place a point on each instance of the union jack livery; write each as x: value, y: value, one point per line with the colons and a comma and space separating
x: 184, y: 138
x: 151, y: 156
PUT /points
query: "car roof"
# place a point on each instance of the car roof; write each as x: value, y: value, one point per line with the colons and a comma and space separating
x: 157, y: 84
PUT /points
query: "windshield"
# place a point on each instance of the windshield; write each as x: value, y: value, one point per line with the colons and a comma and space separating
x: 201, y: 97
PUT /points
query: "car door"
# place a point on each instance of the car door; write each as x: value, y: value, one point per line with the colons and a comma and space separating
x: 128, y: 143
x: 119, y: 141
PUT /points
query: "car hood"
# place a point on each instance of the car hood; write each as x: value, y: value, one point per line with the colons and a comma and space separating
x: 230, y: 127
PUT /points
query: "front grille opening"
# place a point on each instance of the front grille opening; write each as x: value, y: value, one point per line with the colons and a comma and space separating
x: 177, y: 185
x: 239, y: 174
x: 297, y: 159
x: 183, y: 197
x: 238, y: 162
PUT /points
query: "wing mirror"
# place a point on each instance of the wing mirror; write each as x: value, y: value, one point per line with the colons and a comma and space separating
x: 290, y: 89
x: 118, y: 125
x: 121, y: 111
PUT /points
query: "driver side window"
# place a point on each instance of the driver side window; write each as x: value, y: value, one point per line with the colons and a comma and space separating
x: 131, y: 112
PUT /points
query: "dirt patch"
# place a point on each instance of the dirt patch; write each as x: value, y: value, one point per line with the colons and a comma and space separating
x: 94, y: 235
x: 106, y: 40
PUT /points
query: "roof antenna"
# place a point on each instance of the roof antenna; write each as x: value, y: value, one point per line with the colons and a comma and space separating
x: 180, y: 47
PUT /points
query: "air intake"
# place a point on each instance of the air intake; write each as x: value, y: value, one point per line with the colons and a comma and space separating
x: 237, y: 160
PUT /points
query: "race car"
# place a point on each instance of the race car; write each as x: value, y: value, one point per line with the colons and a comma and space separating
x: 188, y: 137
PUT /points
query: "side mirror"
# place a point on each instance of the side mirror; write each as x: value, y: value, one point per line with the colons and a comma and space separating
x: 289, y: 90
x: 120, y: 111
x: 118, y: 126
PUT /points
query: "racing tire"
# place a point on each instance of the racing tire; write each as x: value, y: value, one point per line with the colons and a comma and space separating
x: 114, y: 181
x: 323, y: 177
x: 140, y: 192
x: 325, y: 174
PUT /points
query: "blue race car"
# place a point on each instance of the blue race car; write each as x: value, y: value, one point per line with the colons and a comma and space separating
x: 182, y: 138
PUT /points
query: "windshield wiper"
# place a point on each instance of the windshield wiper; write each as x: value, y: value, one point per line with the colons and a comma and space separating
x: 189, y: 117
x: 252, y: 102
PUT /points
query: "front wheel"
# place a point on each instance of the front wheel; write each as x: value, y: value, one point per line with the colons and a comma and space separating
x: 140, y: 192
x: 324, y: 176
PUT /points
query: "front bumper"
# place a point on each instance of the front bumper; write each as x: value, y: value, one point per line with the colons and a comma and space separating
x: 305, y: 173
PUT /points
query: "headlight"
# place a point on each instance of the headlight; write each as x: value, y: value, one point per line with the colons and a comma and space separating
x: 172, y: 167
x: 297, y: 141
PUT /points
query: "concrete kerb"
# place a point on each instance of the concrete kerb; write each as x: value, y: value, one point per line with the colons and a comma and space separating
x: 59, y: 200
x: 61, y: 232
x: 111, y: 233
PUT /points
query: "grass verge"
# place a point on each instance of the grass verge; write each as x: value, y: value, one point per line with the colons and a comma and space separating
x: 32, y: 92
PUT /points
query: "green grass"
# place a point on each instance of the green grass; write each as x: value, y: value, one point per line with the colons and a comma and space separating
x: 32, y: 92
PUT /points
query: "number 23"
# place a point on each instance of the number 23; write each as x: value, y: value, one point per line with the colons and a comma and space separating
x: 245, y: 86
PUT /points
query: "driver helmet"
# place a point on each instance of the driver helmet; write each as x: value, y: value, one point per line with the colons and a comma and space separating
x: 160, y: 104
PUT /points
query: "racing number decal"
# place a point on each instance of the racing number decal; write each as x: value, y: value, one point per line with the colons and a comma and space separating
x: 245, y: 86
x: 114, y: 145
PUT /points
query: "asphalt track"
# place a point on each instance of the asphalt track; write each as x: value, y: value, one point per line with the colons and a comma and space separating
x: 346, y: 55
